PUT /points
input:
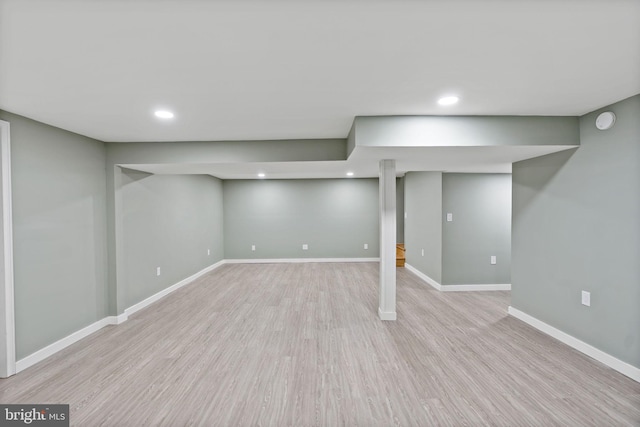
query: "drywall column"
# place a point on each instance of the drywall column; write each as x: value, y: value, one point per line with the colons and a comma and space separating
x: 387, y: 308
x: 119, y: 285
x: 7, y: 320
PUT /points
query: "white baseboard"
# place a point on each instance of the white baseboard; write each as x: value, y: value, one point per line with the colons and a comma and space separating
x: 612, y: 362
x: 386, y: 315
x: 65, y: 342
x: 296, y: 260
x: 458, y: 288
x: 482, y: 287
x: 155, y: 297
x: 423, y: 276
x: 116, y: 320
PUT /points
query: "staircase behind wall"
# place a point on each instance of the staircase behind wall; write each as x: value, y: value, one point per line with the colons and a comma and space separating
x: 400, y: 255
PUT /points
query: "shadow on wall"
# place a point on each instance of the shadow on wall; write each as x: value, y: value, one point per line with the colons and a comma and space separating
x: 132, y: 175
x: 537, y: 180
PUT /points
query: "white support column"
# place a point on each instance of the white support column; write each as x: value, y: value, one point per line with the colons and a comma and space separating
x: 7, y: 319
x: 119, y: 242
x: 387, y: 308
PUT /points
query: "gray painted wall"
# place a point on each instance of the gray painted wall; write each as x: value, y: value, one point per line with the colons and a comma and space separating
x: 481, y: 227
x: 227, y: 151
x: 169, y: 221
x: 335, y: 217
x: 400, y: 210
x: 59, y: 232
x: 458, y: 252
x: 193, y: 152
x: 423, y: 225
x: 351, y: 140
x: 415, y: 131
x: 576, y: 227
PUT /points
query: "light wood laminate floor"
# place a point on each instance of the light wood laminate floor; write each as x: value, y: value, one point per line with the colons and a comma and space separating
x: 301, y: 345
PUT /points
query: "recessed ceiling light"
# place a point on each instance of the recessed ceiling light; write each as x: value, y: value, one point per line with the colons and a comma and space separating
x: 164, y: 114
x: 448, y: 100
x: 349, y: 173
x: 261, y: 175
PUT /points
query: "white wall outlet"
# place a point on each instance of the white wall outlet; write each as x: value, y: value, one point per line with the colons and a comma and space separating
x: 305, y: 247
x: 253, y: 247
x: 423, y: 252
x: 208, y: 251
x: 449, y: 217
x: 157, y: 271
x: 586, y: 298
x: 493, y: 260
x: 366, y: 246
x: 405, y: 215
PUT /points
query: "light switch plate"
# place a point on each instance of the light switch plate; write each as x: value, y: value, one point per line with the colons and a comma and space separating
x: 493, y: 260
x: 366, y: 246
x: 586, y: 298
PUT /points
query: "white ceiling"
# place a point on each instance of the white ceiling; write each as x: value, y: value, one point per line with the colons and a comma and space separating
x: 276, y: 69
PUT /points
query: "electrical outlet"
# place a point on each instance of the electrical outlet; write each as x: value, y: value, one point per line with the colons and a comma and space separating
x: 366, y: 246
x: 586, y: 298
x: 423, y: 252
x: 493, y: 260
x: 405, y: 215
x: 305, y: 247
x: 158, y: 271
x: 253, y: 247
x: 208, y: 251
x: 449, y: 217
